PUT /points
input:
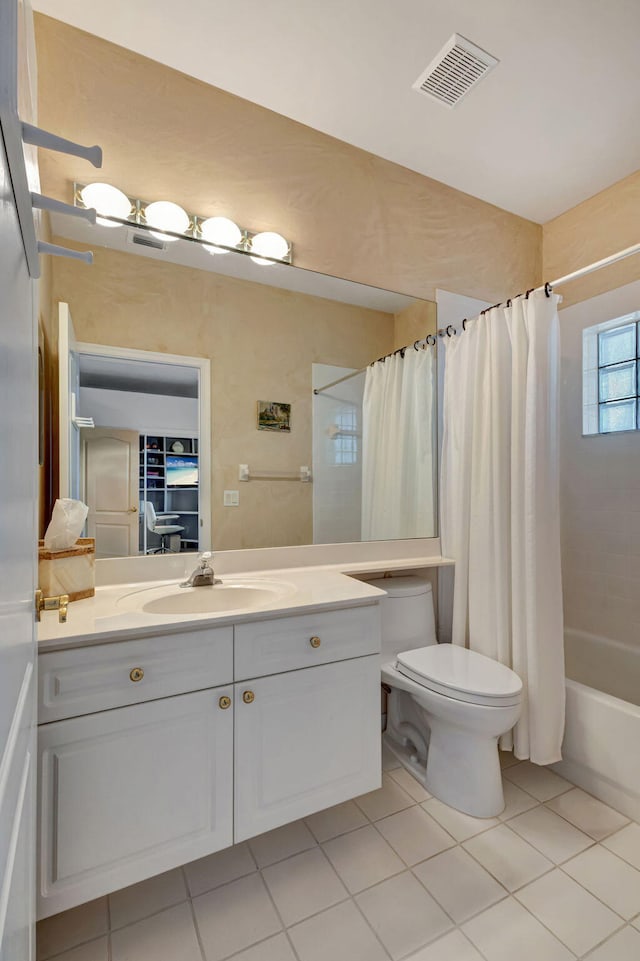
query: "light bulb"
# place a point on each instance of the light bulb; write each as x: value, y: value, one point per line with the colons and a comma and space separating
x: 220, y: 230
x: 165, y: 215
x: 108, y: 201
x: 269, y: 244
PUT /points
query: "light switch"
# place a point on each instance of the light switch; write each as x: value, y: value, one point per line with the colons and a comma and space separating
x: 231, y: 498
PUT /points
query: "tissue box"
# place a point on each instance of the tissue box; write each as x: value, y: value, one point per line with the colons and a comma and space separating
x: 71, y: 571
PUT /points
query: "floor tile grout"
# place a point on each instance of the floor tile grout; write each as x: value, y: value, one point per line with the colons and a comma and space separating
x: 370, y: 926
x: 279, y: 916
x: 406, y: 869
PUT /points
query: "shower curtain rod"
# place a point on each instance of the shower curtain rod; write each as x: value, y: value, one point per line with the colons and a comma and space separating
x: 547, y: 287
x: 450, y: 331
x: 429, y: 341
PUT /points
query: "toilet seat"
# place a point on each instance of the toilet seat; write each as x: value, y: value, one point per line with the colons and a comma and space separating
x: 461, y: 674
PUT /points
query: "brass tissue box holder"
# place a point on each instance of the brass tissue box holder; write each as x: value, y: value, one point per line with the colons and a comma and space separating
x: 70, y: 572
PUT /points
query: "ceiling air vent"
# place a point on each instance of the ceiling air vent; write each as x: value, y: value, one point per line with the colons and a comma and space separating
x: 458, y: 67
x: 144, y: 240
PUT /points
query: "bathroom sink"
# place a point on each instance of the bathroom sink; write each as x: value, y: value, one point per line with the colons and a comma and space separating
x: 216, y: 599
x: 220, y: 598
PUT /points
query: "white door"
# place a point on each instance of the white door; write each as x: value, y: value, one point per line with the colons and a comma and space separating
x: 306, y: 740
x: 111, y: 467
x: 129, y: 793
x: 68, y: 397
x: 18, y: 504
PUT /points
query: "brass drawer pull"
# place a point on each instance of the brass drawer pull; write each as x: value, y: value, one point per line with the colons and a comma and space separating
x: 136, y: 674
x: 314, y: 641
x: 248, y: 697
x: 224, y: 702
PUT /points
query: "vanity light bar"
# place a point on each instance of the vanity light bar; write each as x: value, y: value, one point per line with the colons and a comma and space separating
x: 192, y: 232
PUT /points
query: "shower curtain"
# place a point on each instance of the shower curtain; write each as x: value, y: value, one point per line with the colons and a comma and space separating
x: 398, y: 440
x: 500, y: 514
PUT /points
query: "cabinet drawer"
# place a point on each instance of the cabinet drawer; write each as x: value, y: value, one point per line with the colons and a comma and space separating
x: 290, y: 643
x: 89, y: 679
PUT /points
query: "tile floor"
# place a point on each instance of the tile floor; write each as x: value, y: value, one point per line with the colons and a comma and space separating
x: 394, y: 875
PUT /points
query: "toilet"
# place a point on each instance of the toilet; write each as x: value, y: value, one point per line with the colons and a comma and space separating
x: 447, y: 706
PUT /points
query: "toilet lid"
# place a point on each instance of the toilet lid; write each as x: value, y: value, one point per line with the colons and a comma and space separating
x: 461, y: 674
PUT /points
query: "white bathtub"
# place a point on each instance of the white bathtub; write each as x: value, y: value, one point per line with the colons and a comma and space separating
x: 601, y: 747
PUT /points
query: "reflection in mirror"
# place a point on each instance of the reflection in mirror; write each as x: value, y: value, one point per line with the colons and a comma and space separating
x: 310, y: 440
x: 140, y: 460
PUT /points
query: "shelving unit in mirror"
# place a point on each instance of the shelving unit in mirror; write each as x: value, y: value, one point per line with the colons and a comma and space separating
x: 169, y: 479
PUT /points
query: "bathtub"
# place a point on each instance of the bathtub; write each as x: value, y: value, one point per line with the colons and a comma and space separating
x: 601, y: 747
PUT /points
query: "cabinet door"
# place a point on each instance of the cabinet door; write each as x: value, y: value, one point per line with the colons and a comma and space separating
x: 128, y: 793
x: 305, y: 740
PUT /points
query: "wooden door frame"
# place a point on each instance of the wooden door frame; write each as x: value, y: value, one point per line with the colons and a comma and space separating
x: 203, y: 365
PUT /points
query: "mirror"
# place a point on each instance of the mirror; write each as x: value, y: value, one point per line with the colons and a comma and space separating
x: 199, y: 374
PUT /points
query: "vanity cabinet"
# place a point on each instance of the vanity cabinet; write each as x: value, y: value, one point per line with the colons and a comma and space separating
x: 158, y: 751
x: 305, y: 740
x: 129, y: 793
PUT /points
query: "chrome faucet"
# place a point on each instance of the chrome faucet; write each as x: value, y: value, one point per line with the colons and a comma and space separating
x: 203, y: 575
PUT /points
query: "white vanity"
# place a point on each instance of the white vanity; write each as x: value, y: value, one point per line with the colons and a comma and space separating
x: 166, y: 737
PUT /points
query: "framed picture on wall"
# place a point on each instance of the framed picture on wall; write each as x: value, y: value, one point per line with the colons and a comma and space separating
x: 273, y: 415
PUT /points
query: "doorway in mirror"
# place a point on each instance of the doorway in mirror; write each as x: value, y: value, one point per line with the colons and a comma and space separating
x: 136, y: 431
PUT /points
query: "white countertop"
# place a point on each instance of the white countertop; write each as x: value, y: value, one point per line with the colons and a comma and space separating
x: 108, y: 616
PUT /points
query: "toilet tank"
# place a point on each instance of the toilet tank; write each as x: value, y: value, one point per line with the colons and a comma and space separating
x: 408, y: 619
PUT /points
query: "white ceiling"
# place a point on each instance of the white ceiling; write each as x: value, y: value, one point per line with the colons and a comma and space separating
x: 141, y: 376
x: 555, y: 122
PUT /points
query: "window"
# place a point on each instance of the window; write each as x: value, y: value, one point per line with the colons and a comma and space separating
x: 611, y: 372
x: 345, y: 436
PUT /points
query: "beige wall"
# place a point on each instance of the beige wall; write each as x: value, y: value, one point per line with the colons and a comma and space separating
x: 261, y: 342
x: 415, y: 322
x: 349, y: 213
x: 596, y: 228
x: 600, y: 506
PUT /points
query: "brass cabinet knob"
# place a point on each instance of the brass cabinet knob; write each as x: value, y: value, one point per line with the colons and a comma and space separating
x: 136, y: 674
x: 248, y: 697
x: 224, y: 702
x: 314, y: 641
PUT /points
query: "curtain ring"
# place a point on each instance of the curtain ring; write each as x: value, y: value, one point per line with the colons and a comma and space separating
x: 415, y: 344
x: 530, y: 291
x: 464, y: 323
x: 548, y: 289
x: 402, y: 350
x: 451, y: 328
x: 431, y: 340
x: 508, y: 303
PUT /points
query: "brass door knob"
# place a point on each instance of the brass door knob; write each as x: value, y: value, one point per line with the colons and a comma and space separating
x: 314, y: 641
x: 133, y: 510
x: 136, y: 674
x: 224, y: 702
x: 248, y: 697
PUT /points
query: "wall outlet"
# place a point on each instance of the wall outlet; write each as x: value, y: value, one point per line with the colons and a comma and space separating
x: 231, y: 498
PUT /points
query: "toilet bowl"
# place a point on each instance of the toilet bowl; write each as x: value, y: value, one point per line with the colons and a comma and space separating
x: 447, y: 706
